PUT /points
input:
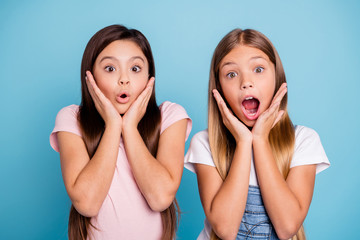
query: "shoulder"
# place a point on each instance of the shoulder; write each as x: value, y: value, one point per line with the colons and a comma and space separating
x: 171, y: 113
x: 167, y: 108
x: 305, y: 136
x: 68, y: 112
x: 302, y: 132
x: 309, y: 149
x: 66, y: 120
x: 199, y: 151
x: 200, y: 145
x: 201, y: 138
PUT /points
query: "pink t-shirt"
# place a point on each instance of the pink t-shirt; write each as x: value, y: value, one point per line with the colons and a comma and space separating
x: 125, y: 213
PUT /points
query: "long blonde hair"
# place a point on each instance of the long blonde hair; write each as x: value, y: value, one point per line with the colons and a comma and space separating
x: 222, y: 143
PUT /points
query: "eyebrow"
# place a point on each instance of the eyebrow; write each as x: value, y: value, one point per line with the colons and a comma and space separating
x: 233, y: 63
x: 257, y: 57
x: 226, y: 64
x: 115, y: 59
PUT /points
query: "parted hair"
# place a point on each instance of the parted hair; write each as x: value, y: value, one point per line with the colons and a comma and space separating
x: 92, y: 125
x: 281, y: 136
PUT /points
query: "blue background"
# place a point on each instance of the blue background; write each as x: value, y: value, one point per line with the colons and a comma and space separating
x: 41, y: 45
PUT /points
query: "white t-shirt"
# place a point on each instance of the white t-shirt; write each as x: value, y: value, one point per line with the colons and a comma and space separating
x: 308, y: 150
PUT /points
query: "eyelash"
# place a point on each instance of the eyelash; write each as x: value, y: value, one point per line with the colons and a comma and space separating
x: 134, y: 69
x: 262, y: 69
x: 228, y: 75
x: 139, y: 68
x: 107, y: 68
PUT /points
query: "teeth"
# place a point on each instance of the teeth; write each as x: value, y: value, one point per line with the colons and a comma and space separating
x: 248, y: 98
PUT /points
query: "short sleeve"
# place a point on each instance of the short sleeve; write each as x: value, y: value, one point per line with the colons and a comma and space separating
x: 66, y: 120
x: 199, y: 151
x: 171, y: 113
x: 308, y: 149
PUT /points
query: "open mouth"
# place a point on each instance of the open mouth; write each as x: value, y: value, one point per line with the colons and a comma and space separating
x: 250, y: 107
x: 123, y: 97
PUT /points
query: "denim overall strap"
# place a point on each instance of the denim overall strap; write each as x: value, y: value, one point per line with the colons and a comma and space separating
x: 255, y: 224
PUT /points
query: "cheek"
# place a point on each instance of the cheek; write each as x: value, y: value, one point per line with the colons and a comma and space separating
x: 229, y: 92
x: 105, y: 87
x: 139, y: 86
x: 268, y: 93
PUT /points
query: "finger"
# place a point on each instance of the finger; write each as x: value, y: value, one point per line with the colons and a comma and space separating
x: 283, y: 85
x: 90, y: 86
x: 280, y: 91
x: 271, y: 110
x: 146, y: 93
x: 280, y: 94
x: 97, y: 93
x: 279, y: 116
x: 149, y: 87
x: 151, y: 82
x: 218, y: 100
x: 225, y: 112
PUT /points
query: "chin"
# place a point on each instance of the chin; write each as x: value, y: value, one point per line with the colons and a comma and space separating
x: 249, y: 124
x: 122, y: 109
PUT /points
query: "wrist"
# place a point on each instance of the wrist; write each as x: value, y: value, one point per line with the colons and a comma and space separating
x: 114, y: 126
x: 129, y: 129
x: 260, y: 139
x: 246, y: 137
x: 244, y: 140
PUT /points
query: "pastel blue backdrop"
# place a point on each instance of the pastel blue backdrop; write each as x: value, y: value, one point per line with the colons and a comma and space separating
x: 41, y: 45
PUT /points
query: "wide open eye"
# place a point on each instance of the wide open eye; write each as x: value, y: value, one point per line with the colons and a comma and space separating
x: 231, y: 74
x: 136, y: 69
x: 258, y: 69
x: 109, y: 68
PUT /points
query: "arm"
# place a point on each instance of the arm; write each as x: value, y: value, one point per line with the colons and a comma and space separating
x: 88, y: 181
x: 224, y: 201
x: 286, y: 201
x: 158, y: 178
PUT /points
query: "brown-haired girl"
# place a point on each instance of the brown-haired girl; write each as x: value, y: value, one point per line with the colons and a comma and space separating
x: 255, y: 170
x: 121, y: 154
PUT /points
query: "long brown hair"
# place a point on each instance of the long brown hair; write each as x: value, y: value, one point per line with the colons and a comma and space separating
x: 92, y: 125
x: 222, y: 143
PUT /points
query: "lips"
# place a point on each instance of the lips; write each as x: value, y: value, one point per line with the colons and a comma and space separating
x: 123, y: 97
x: 250, y: 107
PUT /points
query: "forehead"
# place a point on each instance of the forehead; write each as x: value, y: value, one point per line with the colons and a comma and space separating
x: 243, y: 54
x: 122, y: 48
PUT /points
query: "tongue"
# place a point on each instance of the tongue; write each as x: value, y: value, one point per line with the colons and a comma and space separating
x: 251, y: 105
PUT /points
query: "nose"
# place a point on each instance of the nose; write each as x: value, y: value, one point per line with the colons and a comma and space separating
x: 124, y: 80
x: 247, y: 83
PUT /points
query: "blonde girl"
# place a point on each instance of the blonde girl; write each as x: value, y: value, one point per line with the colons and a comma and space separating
x: 255, y: 170
x: 121, y: 154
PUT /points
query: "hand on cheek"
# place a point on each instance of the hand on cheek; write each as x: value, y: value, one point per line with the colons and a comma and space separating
x: 103, y: 105
x: 239, y: 131
x: 137, y: 109
x: 269, y: 118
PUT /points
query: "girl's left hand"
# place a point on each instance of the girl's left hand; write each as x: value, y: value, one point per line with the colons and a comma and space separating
x: 137, y: 109
x: 268, y: 119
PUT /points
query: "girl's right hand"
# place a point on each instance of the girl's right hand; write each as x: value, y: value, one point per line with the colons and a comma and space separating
x: 239, y: 131
x: 103, y: 105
